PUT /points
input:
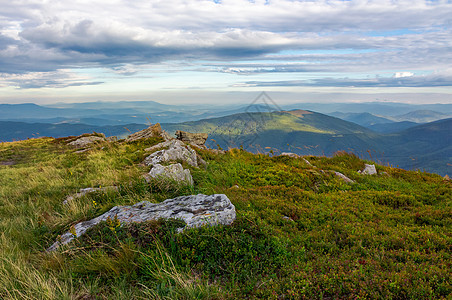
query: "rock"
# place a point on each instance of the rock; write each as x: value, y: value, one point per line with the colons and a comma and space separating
x: 176, y: 151
x: 368, y: 170
x: 152, y: 131
x: 196, y: 210
x: 290, y: 154
x: 343, y: 177
x: 196, y: 139
x: 161, y: 145
x: 308, y: 163
x: 85, y: 191
x: 446, y: 177
x: 84, y: 141
x: 174, y: 172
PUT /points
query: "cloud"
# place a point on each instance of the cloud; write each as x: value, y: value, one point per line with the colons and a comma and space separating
x: 39, y: 36
x: 56, y: 79
x: 433, y: 80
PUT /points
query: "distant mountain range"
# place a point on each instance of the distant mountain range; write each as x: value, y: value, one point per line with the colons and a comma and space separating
x: 387, y: 139
x: 426, y: 146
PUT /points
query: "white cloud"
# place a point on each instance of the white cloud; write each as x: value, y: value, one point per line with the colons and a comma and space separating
x: 403, y: 74
x: 47, y: 36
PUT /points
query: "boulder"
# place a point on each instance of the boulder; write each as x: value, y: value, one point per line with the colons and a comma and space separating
x: 174, y: 172
x: 176, y: 151
x: 152, y: 131
x: 368, y: 170
x: 196, y: 139
x: 196, y: 210
x: 343, y: 177
x: 85, y: 141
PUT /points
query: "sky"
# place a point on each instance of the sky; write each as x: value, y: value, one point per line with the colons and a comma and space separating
x: 225, y: 51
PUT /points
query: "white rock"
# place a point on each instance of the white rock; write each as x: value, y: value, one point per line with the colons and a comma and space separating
x: 368, y: 170
x: 86, y: 140
x: 290, y: 154
x: 343, y: 177
x: 177, y: 150
x: 196, y: 210
x: 172, y: 172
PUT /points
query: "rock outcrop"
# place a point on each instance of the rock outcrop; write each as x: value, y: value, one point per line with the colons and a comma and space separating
x: 195, y: 139
x: 84, y: 141
x: 174, y: 172
x: 195, y: 210
x: 368, y: 170
x: 176, y: 151
x: 152, y: 131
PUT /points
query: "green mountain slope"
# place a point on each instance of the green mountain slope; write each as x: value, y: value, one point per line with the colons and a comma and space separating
x: 308, y: 133
x: 298, y: 131
x: 423, y: 116
x: 427, y: 146
x: 301, y: 232
x: 363, y: 119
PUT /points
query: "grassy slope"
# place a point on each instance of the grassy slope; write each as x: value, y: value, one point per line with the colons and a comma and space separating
x: 387, y: 236
x: 313, y: 133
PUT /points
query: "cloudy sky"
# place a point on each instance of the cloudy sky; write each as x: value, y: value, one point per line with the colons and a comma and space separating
x: 187, y: 51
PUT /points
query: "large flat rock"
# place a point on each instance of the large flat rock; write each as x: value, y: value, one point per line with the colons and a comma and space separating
x: 195, y: 210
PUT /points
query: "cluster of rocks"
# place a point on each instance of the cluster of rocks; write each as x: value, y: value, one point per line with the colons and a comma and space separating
x: 195, y: 210
x: 166, y: 161
x: 172, y: 151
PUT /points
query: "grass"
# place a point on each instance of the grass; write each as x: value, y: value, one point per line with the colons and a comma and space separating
x: 300, y: 233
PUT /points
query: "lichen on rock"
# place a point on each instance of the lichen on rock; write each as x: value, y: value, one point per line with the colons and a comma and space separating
x: 195, y: 210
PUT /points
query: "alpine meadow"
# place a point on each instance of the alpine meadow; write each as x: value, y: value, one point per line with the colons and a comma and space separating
x: 226, y: 149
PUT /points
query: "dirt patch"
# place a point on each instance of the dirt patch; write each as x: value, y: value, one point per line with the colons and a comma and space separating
x: 7, y: 163
x: 299, y: 112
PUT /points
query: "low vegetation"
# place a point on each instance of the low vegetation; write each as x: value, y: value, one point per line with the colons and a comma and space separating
x: 301, y: 232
